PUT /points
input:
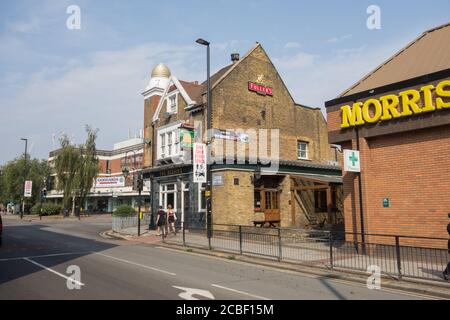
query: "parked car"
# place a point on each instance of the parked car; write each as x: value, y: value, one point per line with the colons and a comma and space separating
x: 1, y: 229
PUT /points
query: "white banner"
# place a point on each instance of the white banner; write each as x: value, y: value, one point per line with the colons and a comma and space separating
x: 108, y: 182
x: 199, y: 163
x: 28, y: 189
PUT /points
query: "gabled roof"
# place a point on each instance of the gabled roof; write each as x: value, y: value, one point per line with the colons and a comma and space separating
x: 187, y: 90
x: 427, y: 54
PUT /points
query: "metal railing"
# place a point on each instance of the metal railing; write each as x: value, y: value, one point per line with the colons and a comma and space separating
x: 394, y: 255
x: 121, y: 223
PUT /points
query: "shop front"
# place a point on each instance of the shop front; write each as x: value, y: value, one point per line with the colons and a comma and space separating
x: 398, y: 119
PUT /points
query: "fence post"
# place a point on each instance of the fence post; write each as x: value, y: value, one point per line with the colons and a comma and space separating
x: 331, y: 250
x: 399, y: 258
x: 280, y: 252
x: 184, y: 234
x: 240, y: 240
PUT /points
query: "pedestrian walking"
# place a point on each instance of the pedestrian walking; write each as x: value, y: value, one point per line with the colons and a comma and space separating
x: 161, y: 220
x: 171, y: 218
x: 446, y: 272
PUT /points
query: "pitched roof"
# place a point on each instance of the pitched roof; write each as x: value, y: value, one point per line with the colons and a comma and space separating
x: 427, y: 54
x: 193, y: 89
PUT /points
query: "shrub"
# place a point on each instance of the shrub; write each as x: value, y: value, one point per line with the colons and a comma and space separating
x: 36, y: 209
x: 124, y: 211
x: 51, y: 209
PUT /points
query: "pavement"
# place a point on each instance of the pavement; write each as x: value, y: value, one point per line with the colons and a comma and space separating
x: 41, y: 260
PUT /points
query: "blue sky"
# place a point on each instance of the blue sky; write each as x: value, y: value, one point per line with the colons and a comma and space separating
x: 55, y: 80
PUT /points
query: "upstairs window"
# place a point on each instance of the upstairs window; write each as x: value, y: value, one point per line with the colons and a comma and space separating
x: 302, y: 150
x: 172, y: 104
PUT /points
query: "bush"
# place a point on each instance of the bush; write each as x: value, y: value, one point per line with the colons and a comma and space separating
x: 124, y: 211
x: 51, y: 209
x: 36, y: 209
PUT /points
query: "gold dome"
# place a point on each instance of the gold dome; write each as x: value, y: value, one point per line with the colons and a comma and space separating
x: 161, y: 71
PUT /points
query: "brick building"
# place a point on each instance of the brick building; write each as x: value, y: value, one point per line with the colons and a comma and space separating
x: 111, y: 188
x: 398, y: 117
x: 248, y: 97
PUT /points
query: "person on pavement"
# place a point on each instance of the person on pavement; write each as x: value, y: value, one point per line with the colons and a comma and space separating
x: 171, y: 218
x: 161, y: 221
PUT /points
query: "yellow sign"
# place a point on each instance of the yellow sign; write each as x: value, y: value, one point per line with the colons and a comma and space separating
x: 387, y: 108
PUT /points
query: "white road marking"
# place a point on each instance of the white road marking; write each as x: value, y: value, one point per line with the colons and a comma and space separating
x: 55, y: 272
x: 45, y: 256
x: 136, y: 264
x: 188, y: 293
x: 312, y: 276
x: 240, y: 292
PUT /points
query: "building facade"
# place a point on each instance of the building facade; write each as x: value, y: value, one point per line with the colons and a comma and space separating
x: 398, y: 117
x: 272, y: 159
x: 111, y: 188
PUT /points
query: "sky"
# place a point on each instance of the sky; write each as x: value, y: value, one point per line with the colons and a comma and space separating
x: 56, y: 80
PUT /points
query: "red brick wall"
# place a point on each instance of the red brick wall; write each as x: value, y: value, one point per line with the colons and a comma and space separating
x: 411, y: 169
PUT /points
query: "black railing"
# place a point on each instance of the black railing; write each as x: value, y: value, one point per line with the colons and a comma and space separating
x: 394, y: 255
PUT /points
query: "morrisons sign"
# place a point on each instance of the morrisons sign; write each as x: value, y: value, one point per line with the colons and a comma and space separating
x: 405, y: 104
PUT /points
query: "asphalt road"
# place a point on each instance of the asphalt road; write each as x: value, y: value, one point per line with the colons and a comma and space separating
x: 38, y: 259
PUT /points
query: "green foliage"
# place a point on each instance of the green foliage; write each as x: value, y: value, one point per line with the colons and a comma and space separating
x: 36, y: 209
x: 12, y: 179
x: 124, y: 211
x: 76, y: 168
x: 51, y: 209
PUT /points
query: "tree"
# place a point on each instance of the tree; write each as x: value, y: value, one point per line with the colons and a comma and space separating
x: 89, y: 166
x: 76, y: 168
x: 12, y: 179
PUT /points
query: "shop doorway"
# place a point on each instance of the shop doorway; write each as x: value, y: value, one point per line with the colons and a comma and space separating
x: 168, y: 195
x: 267, y: 201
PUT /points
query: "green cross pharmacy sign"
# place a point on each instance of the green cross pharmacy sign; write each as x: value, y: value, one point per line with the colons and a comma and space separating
x: 352, y: 161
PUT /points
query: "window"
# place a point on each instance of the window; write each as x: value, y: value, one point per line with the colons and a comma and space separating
x: 163, y: 145
x: 172, y: 104
x: 302, y: 150
x: 169, y: 143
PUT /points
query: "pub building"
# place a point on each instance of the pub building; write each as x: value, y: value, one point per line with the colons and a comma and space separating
x: 248, y: 94
x: 398, y: 117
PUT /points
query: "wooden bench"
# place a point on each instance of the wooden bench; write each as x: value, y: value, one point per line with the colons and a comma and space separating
x: 262, y: 224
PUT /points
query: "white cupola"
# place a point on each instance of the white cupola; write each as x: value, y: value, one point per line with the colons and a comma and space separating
x: 159, y: 80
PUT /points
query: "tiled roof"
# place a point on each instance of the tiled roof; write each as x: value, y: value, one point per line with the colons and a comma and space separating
x: 427, y: 54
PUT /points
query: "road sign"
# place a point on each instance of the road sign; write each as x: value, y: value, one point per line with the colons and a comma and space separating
x: 28, y: 189
x: 352, y: 161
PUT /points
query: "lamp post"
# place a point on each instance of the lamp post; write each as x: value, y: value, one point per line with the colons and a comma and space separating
x: 208, y: 191
x: 24, y: 177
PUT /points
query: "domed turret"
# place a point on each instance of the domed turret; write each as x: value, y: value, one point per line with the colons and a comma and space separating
x: 161, y: 71
x: 159, y: 79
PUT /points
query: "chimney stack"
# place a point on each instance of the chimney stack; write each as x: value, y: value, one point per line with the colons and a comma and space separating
x: 235, y: 57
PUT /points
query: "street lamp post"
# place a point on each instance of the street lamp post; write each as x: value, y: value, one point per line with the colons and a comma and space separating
x: 208, y: 191
x: 24, y: 176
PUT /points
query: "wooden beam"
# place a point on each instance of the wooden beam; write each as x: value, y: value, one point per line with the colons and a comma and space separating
x: 330, y: 205
x: 292, y: 202
x: 310, y: 188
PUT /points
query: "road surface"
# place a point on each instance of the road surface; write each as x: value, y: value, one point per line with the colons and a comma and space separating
x: 40, y: 260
